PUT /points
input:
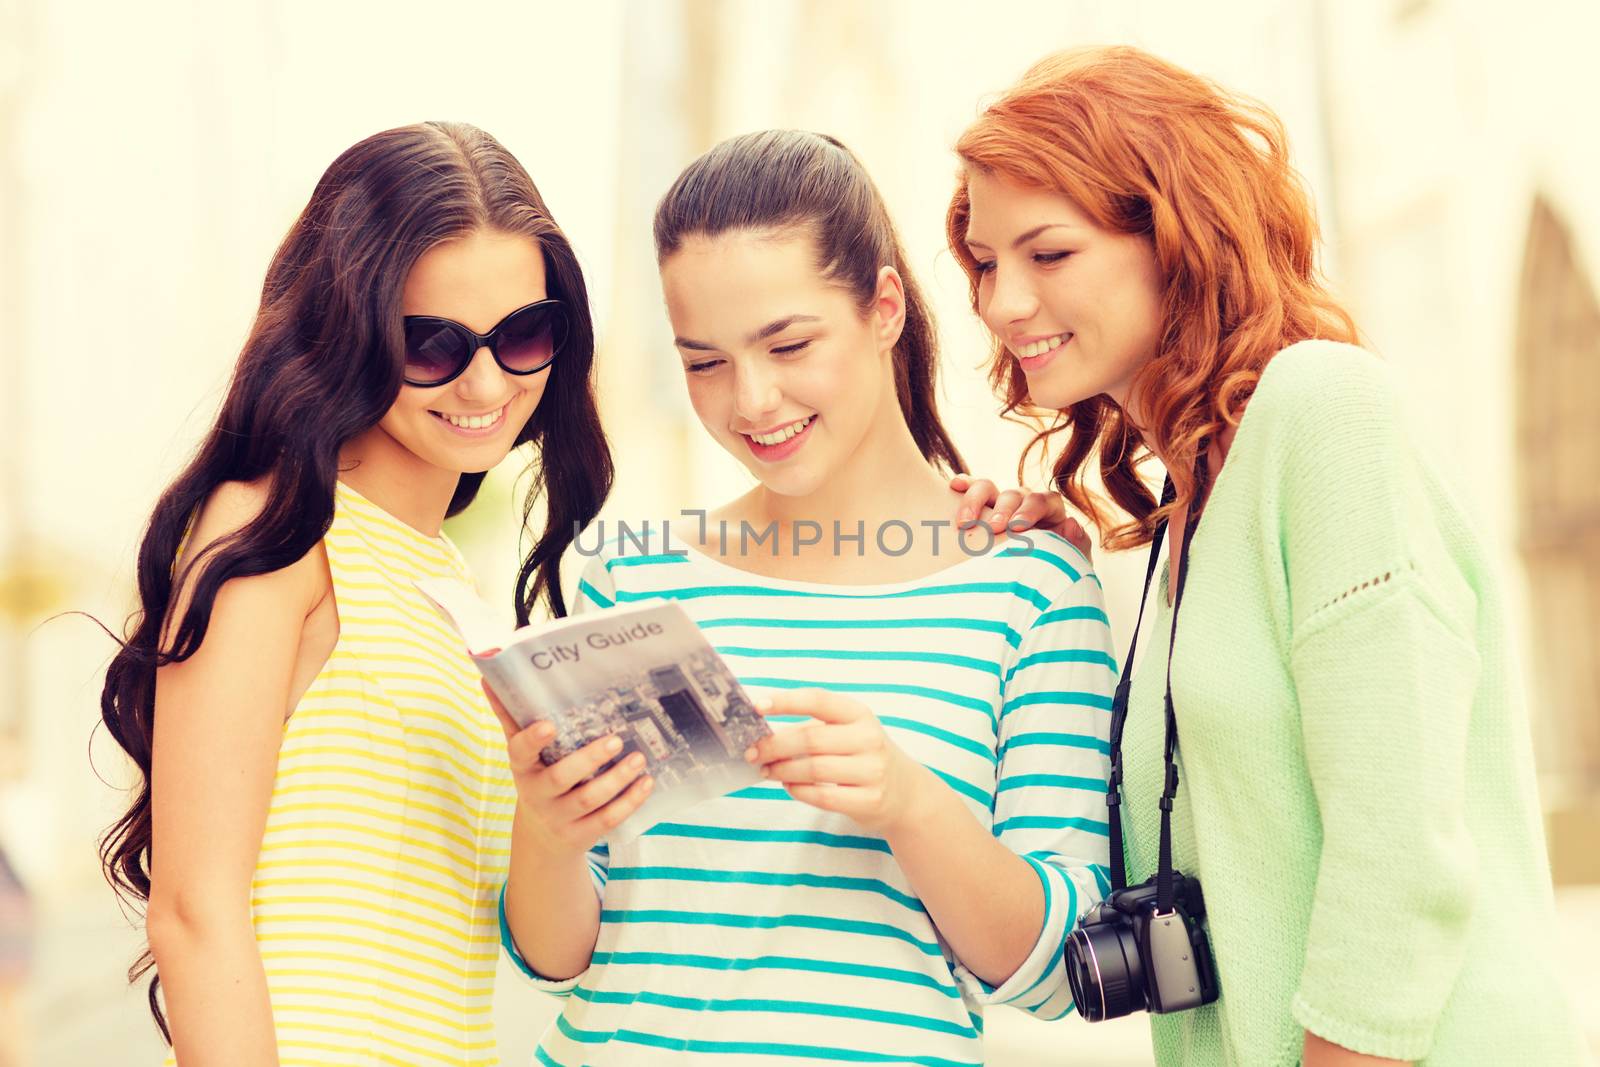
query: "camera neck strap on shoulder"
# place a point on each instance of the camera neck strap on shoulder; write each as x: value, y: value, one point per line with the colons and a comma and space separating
x: 1119, y: 705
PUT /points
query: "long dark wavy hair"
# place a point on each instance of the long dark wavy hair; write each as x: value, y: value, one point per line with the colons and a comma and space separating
x: 323, y: 363
x: 778, y: 179
x: 1145, y: 147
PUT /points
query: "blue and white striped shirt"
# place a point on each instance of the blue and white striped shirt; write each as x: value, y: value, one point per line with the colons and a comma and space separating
x: 758, y: 929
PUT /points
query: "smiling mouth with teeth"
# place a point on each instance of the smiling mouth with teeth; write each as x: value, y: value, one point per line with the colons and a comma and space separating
x: 779, y: 436
x: 1039, y: 348
x: 472, y: 422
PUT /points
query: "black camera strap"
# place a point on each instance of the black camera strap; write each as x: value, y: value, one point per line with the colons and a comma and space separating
x: 1119, y: 705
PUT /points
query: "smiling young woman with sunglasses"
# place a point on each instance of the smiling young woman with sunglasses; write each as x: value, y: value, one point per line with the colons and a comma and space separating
x: 325, y: 817
x: 524, y: 342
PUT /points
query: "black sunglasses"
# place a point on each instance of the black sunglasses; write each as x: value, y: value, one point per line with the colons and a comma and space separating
x: 524, y: 342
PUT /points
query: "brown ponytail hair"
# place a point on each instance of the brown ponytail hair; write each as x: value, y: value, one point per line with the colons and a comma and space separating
x: 778, y: 179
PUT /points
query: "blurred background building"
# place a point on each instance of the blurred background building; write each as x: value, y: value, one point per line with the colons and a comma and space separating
x: 151, y: 156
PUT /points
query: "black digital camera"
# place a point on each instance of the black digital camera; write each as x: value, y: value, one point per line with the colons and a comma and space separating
x: 1127, y: 955
x: 1143, y: 948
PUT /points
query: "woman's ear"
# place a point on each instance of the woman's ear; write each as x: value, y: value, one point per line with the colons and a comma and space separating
x: 889, y: 308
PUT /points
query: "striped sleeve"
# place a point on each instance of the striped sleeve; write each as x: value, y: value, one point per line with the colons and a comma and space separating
x: 595, y: 587
x: 1050, y: 796
x: 595, y: 591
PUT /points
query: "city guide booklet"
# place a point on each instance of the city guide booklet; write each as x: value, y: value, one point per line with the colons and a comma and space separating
x: 644, y: 672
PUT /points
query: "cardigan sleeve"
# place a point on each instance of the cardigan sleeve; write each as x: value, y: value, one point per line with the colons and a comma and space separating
x: 1385, y: 693
x: 1385, y: 672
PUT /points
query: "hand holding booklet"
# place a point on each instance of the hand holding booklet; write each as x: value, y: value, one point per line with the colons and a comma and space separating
x: 644, y: 673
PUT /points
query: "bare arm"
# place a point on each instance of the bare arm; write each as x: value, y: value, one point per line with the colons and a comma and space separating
x: 551, y: 905
x: 1004, y: 896
x: 984, y: 898
x: 218, y: 725
x: 1320, y: 1053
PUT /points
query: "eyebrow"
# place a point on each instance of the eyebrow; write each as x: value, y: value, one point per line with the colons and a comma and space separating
x: 1023, y: 239
x: 771, y: 329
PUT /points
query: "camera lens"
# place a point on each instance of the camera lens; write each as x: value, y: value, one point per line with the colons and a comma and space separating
x: 1104, y: 971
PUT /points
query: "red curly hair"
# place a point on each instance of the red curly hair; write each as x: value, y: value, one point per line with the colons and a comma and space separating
x: 1145, y: 147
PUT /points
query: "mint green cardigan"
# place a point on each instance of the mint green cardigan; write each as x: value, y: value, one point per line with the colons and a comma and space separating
x: 1357, y: 791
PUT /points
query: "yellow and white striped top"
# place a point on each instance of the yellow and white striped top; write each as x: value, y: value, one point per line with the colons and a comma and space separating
x: 375, y: 899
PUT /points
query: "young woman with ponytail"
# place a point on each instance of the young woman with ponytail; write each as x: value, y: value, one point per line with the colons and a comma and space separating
x: 933, y: 817
x: 324, y: 819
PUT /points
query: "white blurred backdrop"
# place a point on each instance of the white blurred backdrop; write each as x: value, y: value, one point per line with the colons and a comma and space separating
x: 152, y: 155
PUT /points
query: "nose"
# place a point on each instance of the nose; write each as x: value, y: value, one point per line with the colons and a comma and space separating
x: 756, y: 391
x: 1011, y: 300
x: 483, y: 379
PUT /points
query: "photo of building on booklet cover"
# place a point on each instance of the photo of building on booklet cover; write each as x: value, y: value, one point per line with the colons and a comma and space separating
x: 684, y: 717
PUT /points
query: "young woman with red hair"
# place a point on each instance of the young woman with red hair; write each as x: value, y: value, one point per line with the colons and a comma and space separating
x: 1356, y: 790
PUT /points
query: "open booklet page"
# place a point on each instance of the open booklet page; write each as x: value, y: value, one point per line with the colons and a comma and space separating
x: 643, y: 672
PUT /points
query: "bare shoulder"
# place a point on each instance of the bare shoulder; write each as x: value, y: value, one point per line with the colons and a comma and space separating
x: 231, y: 507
